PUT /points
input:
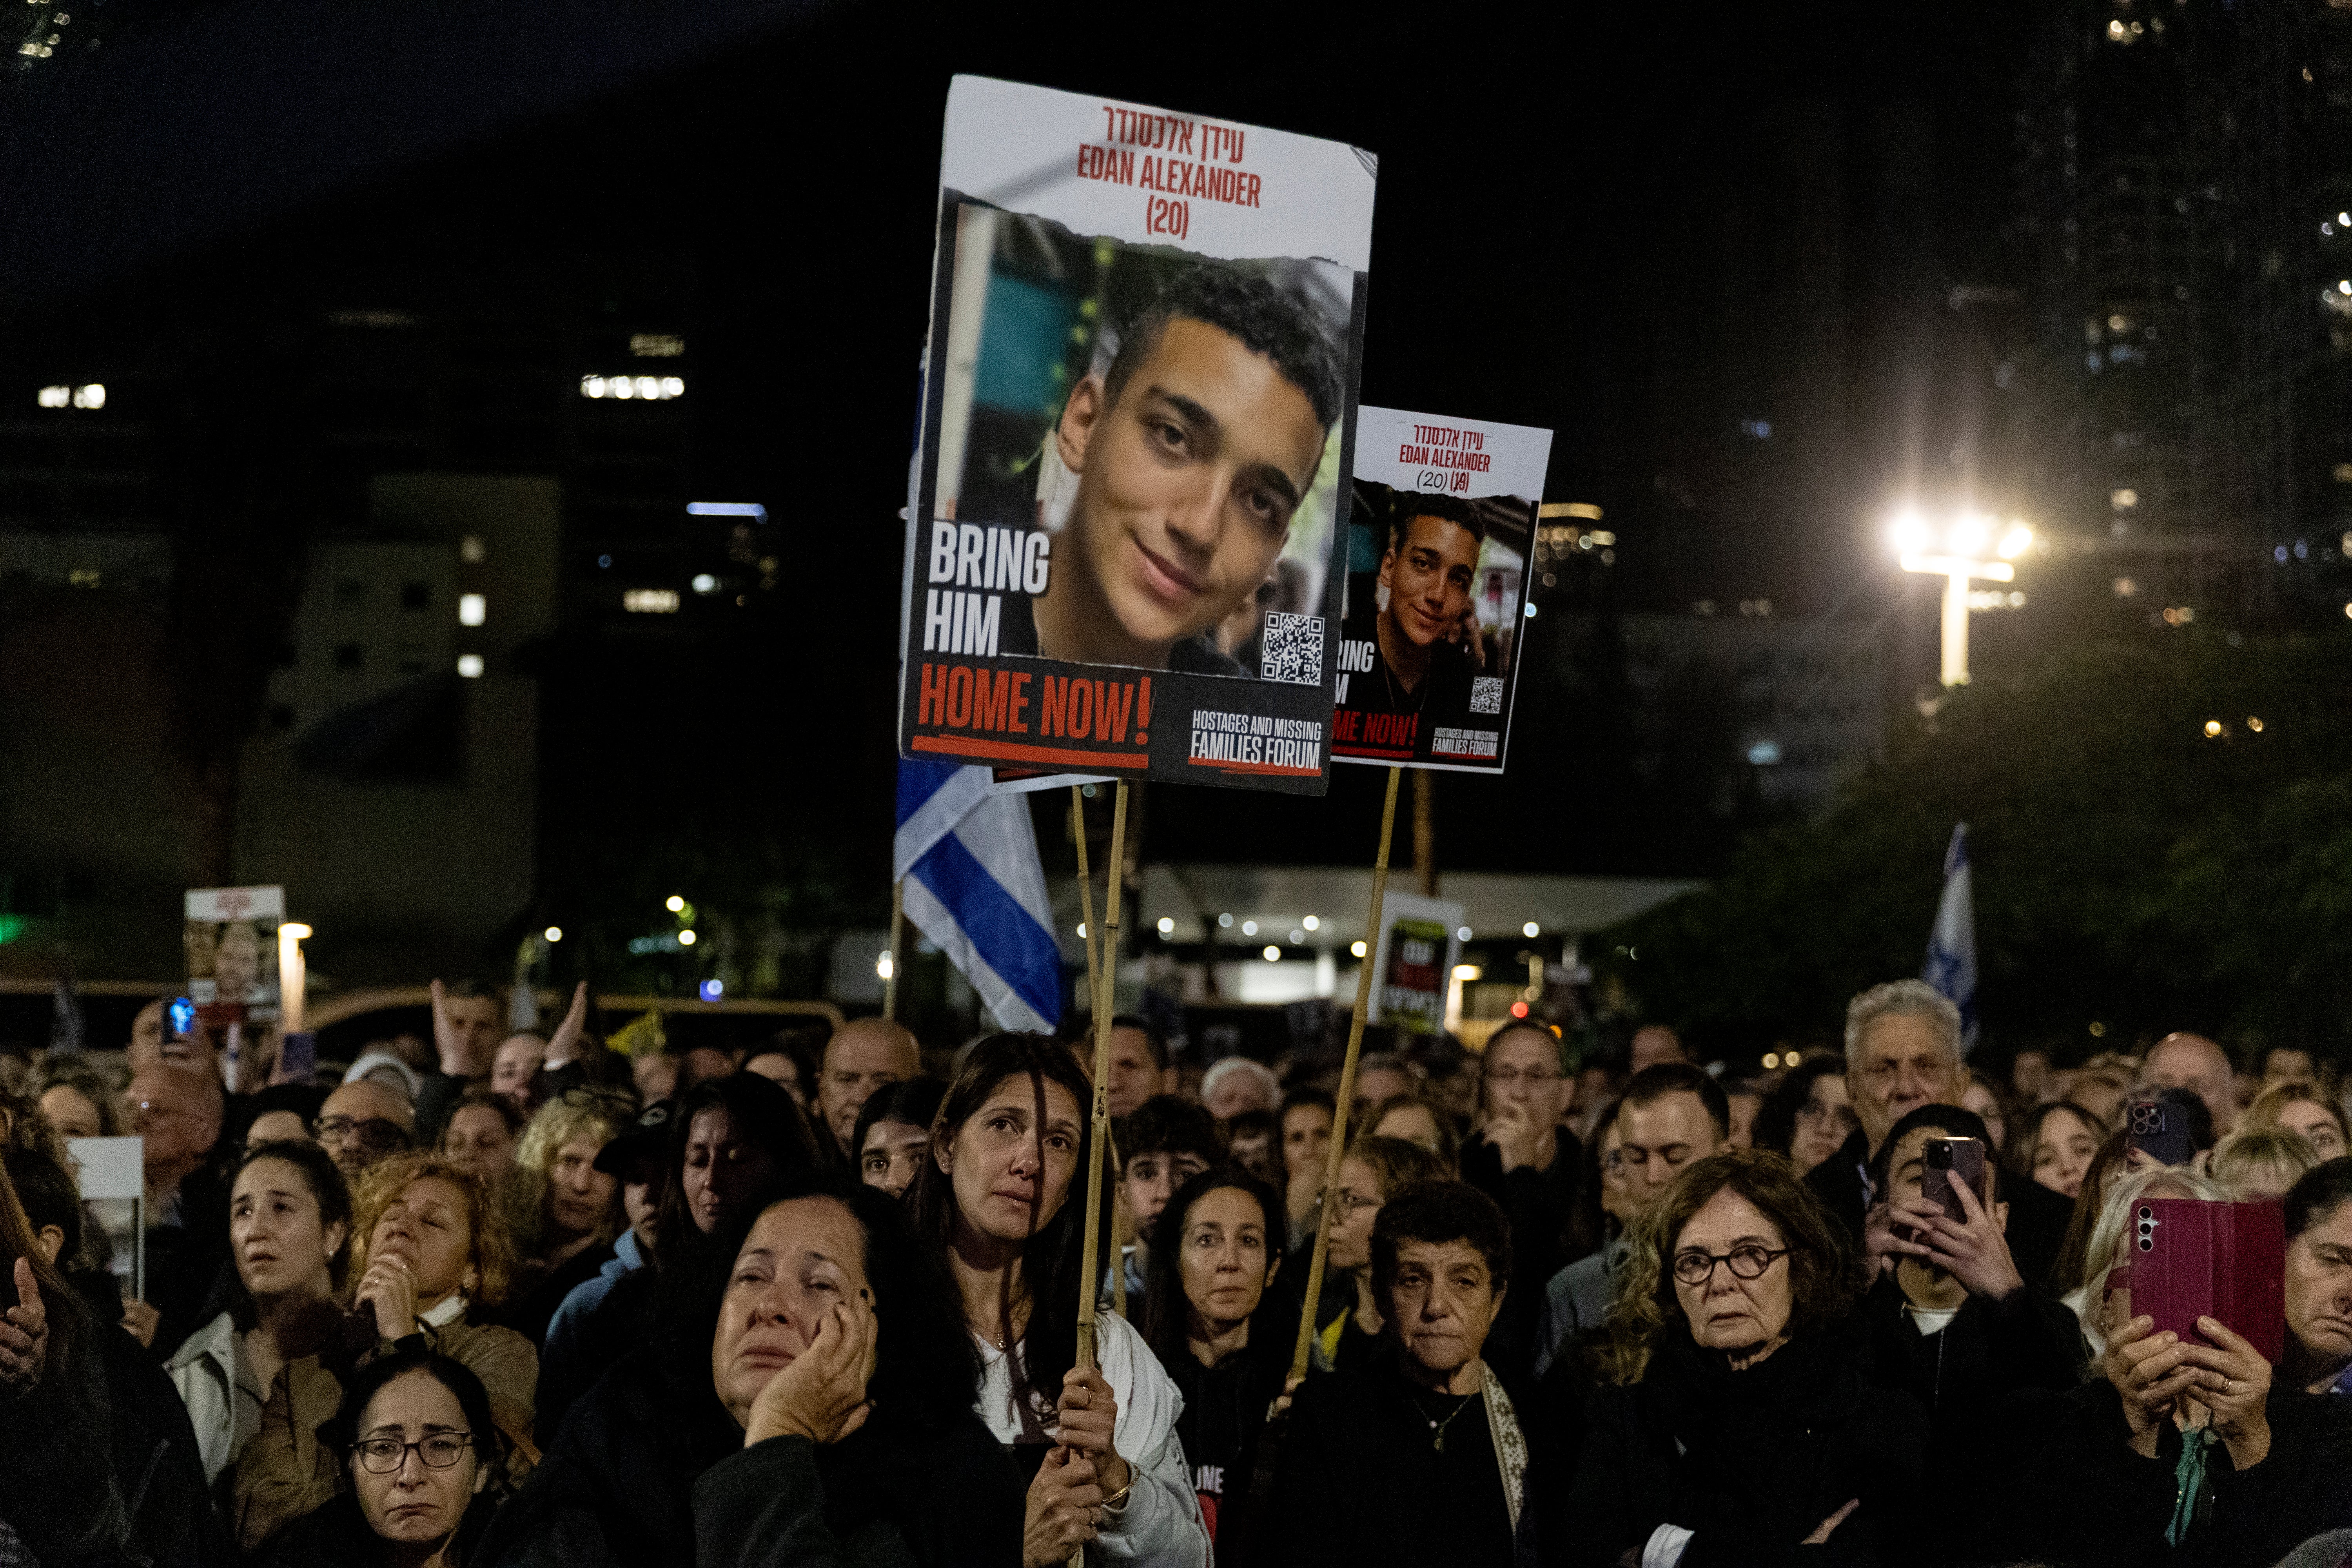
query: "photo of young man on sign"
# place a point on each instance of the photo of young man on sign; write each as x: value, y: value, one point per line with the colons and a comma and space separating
x: 1443, y: 524
x: 1127, y: 512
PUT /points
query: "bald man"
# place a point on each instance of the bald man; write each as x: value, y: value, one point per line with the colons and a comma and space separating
x: 863, y: 1055
x: 178, y: 1109
x: 2196, y: 1064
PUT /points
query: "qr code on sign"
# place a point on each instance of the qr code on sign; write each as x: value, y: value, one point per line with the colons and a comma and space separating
x: 1486, y: 694
x: 1291, y: 649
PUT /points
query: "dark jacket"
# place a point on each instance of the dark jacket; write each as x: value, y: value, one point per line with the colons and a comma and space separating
x: 2037, y: 1230
x: 190, y: 1278
x: 539, y: 1290
x: 619, y: 1324
x: 2090, y: 1503
x: 1223, y: 1420
x: 1840, y: 1182
x: 159, y: 1472
x: 644, y: 1472
x: 58, y: 1486
x: 1359, y: 1479
x: 1752, y: 1461
x: 1539, y: 1205
x: 336, y: 1535
x: 1972, y: 1378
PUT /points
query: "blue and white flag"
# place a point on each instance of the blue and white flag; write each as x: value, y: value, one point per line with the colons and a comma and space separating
x: 1951, y: 966
x: 973, y: 885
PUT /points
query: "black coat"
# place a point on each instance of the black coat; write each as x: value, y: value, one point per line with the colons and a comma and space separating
x: 58, y: 1486
x: 159, y: 1472
x: 336, y: 1535
x: 1357, y: 1480
x: 2088, y: 1501
x: 648, y: 1470
x: 1539, y: 1205
x: 1223, y: 1422
x: 1752, y: 1461
x: 1974, y: 1378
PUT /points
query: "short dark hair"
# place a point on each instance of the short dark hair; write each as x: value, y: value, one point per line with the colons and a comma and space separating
x: 1169, y: 1124
x: 1954, y: 1122
x: 1659, y: 1079
x: 1078, y: 1029
x: 1461, y: 514
x: 48, y: 1196
x: 473, y: 1400
x: 914, y: 1100
x: 318, y: 1170
x: 2315, y: 1195
x: 1439, y: 1212
x: 1267, y: 318
x: 1308, y: 1094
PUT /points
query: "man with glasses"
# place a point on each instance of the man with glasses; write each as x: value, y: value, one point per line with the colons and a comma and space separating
x: 1672, y: 1113
x: 1525, y: 1161
x: 178, y: 1112
x: 363, y: 1123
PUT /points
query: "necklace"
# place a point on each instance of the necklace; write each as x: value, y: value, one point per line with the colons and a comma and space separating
x: 1436, y: 1428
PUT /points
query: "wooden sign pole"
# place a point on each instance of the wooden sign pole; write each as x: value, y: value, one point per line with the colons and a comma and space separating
x: 1346, y: 1086
x: 1090, y: 1267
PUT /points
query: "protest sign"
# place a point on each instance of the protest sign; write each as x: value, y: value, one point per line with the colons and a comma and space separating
x: 231, y: 936
x: 1127, y: 511
x: 1418, y: 948
x: 110, y: 1175
x: 1442, y: 530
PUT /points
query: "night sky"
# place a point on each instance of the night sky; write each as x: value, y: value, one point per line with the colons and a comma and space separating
x: 1547, y: 175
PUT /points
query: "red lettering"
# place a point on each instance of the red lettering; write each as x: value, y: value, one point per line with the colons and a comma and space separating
x: 1118, y: 701
x: 991, y: 699
x: 1021, y: 701
x: 1078, y: 710
x: 932, y: 707
x: 959, y: 703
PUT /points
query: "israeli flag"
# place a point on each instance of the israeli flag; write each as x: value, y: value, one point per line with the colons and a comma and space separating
x: 973, y: 885
x: 1951, y: 966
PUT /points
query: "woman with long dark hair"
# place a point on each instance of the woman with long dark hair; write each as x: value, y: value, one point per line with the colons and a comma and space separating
x: 1214, y: 1250
x: 732, y: 1138
x: 60, y: 1496
x: 994, y: 1196
x: 808, y: 1402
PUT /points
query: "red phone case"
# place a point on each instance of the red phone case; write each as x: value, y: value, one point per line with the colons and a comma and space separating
x: 2227, y: 1261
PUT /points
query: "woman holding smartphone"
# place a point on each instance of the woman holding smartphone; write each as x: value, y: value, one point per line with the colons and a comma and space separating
x: 994, y: 1195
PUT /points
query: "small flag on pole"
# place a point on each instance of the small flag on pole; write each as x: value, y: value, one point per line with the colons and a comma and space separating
x: 973, y: 885
x: 1951, y: 966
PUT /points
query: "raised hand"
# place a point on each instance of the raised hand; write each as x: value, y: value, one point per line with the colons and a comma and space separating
x: 1891, y: 1230
x: 564, y: 1045
x: 24, y: 1333
x: 1064, y: 1508
x: 2151, y: 1371
x: 822, y: 1395
x: 2233, y: 1381
x: 1972, y: 1250
x: 141, y: 1320
x: 389, y: 1289
x: 1512, y: 1130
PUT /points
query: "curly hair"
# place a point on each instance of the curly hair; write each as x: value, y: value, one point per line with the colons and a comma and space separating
x: 489, y: 1244
x: 577, y: 1114
x: 1268, y: 319
x: 1822, y: 1272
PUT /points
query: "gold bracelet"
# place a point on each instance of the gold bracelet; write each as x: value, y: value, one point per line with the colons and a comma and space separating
x: 1117, y: 1500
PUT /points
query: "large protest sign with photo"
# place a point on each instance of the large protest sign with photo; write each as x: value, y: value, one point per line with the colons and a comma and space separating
x: 1442, y: 530
x: 1127, y: 514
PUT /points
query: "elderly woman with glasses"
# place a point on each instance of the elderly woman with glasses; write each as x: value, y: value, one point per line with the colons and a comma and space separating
x: 419, y: 1451
x: 1740, y: 1426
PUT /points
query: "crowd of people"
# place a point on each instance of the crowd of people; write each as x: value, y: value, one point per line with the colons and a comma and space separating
x: 522, y: 1299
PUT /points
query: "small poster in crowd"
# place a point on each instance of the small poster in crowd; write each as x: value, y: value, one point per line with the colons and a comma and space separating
x: 109, y: 1173
x: 1127, y: 514
x: 1420, y: 943
x: 1442, y: 530
x: 232, y: 941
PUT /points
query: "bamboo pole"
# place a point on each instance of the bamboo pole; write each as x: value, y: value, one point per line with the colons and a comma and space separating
x: 897, y: 925
x: 1085, y: 892
x: 1090, y: 1257
x: 1347, y: 1085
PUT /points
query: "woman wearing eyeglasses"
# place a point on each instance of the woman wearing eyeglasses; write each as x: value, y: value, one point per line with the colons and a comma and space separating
x: 418, y: 1454
x: 1740, y: 1428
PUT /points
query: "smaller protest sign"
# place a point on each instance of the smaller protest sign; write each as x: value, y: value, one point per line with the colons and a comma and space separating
x: 1418, y: 947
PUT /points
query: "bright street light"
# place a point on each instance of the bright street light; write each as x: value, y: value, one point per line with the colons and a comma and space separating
x: 1963, y: 541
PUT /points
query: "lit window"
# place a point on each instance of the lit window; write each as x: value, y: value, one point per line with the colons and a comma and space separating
x: 470, y: 666
x: 650, y: 601
x: 94, y: 394
x: 473, y: 609
x: 657, y: 345
x: 470, y: 550
x: 54, y: 397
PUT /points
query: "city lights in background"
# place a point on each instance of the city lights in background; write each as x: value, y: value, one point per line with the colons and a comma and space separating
x: 1312, y: 922
x: 89, y: 394
x: 686, y: 938
x: 883, y: 968
x: 650, y: 601
x: 1356, y: 950
x: 1532, y: 928
x: 674, y: 903
x: 1467, y: 972
x: 473, y: 609
x: 657, y: 345
x: 750, y: 508
x: 1967, y: 544
x: 645, y: 388
x: 554, y: 933
x: 1167, y: 926
x: 470, y: 666
x: 1463, y: 933
x: 704, y: 582
x: 712, y: 990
